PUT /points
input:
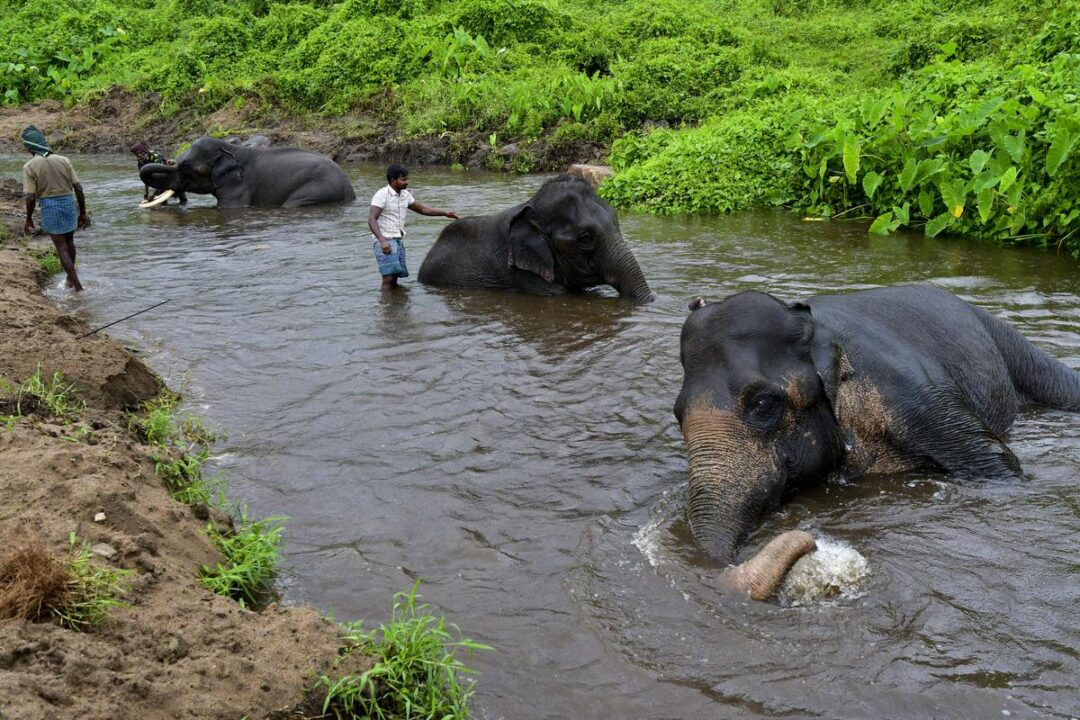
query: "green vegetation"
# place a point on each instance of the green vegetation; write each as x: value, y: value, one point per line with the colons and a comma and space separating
x: 53, y: 395
x: 36, y: 585
x: 416, y: 672
x: 958, y: 118
x: 91, y: 591
x: 182, y: 448
x: 251, y: 559
x: 182, y: 445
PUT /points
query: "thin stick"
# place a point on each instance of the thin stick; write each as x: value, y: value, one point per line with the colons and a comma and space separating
x: 122, y: 319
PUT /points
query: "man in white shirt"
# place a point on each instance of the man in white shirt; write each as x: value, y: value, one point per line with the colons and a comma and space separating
x: 386, y: 218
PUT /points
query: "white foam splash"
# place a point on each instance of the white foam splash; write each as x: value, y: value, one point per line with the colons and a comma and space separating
x: 834, y: 571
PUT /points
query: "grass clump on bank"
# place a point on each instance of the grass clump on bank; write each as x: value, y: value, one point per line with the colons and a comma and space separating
x: 37, y: 586
x: 250, y: 555
x: 52, y: 395
x: 249, y: 548
x: 417, y: 673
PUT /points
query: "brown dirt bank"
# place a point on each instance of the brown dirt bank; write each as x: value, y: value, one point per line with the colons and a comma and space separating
x: 112, y: 122
x: 176, y: 650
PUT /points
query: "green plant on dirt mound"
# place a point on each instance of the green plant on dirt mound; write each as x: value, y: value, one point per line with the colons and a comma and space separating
x: 417, y: 673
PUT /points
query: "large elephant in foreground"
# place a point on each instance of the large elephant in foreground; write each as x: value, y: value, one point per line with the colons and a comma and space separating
x: 240, y: 176
x: 889, y: 380
x: 564, y: 239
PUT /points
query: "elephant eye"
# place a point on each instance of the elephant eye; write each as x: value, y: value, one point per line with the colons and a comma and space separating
x: 764, y: 410
x: 586, y: 241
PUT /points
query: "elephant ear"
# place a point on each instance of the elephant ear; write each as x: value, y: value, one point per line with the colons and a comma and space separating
x: 529, y: 249
x: 824, y: 351
x: 226, y: 170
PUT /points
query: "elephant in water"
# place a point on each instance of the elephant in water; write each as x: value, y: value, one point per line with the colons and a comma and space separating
x: 240, y: 176
x: 564, y: 239
x: 889, y: 380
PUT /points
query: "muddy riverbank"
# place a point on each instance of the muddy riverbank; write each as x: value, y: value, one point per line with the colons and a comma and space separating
x: 173, y: 649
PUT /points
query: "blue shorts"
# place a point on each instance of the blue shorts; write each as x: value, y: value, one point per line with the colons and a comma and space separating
x: 59, y: 215
x: 392, y: 265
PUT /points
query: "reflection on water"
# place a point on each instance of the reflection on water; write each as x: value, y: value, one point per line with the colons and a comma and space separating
x: 519, y: 454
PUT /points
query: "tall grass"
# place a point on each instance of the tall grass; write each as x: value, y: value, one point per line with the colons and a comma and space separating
x: 417, y: 673
x: 250, y: 562
x: 38, y: 393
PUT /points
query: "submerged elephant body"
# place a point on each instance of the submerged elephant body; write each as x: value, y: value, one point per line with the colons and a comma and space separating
x: 255, y: 176
x: 564, y: 239
x: 894, y: 379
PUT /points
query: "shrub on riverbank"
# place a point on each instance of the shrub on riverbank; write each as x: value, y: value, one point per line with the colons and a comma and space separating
x: 839, y: 98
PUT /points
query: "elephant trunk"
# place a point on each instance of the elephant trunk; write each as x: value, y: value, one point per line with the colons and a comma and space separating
x: 732, y: 475
x: 623, y: 273
x: 159, y: 176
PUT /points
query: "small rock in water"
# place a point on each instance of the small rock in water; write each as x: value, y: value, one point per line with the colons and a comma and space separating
x: 834, y: 570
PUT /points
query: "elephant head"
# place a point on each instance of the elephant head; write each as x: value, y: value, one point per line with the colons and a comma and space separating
x: 209, y: 164
x: 564, y: 239
x: 568, y: 236
x: 757, y: 417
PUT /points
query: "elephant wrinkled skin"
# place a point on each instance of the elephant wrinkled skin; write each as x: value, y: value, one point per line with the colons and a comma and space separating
x: 564, y: 239
x: 893, y: 379
x: 252, y: 176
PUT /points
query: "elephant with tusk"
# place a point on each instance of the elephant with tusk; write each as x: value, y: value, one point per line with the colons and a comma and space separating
x: 251, y: 176
x: 895, y: 379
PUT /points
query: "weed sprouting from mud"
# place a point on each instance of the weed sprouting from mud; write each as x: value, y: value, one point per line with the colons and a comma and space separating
x: 35, y: 585
x: 417, y: 673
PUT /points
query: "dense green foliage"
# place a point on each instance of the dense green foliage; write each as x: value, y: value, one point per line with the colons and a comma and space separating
x: 957, y: 117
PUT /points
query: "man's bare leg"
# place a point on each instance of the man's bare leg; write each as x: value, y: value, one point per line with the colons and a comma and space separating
x: 65, y: 250
x: 389, y: 282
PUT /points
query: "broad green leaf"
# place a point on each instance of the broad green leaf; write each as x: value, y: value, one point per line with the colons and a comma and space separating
x: 986, y: 109
x: 1014, y: 145
x: 851, y: 158
x: 817, y: 137
x: 903, y: 215
x: 874, y: 109
x: 986, y: 204
x: 977, y: 161
x: 936, y: 140
x: 870, y: 183
x: 1007, y: 179
x: 954, y: 195
x: 928, y: 168
x: 938, y: 224
x: 926, y: 202
x: 1037, y: 95
x: 1060, y: 147
x: 880, y: 226
x: 987, y: 179
x: 907, y: 175
x: 1013, y: 196
x: 1018, y: 222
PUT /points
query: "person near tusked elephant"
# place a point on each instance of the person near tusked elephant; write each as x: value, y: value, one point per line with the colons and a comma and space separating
x: 240, y: 176
x: 386, y: 219
x: 564, y: 239
x: 144, y: 156
x: 776, y: 395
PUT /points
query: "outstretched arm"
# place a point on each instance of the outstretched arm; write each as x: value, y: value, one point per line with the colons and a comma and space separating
x: 433, y: 212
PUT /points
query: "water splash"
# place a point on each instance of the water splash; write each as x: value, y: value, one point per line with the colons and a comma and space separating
x: 833, y: 572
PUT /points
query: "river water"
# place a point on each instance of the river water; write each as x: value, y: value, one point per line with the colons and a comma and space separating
x: 519, y: 455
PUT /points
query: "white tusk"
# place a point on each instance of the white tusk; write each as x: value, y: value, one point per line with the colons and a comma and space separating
x: 158, y: 200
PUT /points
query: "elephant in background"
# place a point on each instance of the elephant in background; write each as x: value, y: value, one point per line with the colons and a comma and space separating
x: 241, y: 176
x: 564, y: 239
x: 889, y: 380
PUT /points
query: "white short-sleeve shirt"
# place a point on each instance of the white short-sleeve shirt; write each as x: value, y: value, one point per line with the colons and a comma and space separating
x: 394, y: 205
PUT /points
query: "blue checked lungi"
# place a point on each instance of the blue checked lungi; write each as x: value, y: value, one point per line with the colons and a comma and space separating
x: 394, y: 263
x: 59, y: 215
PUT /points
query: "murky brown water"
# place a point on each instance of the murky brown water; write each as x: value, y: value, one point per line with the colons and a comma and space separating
x: 519, y: 454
